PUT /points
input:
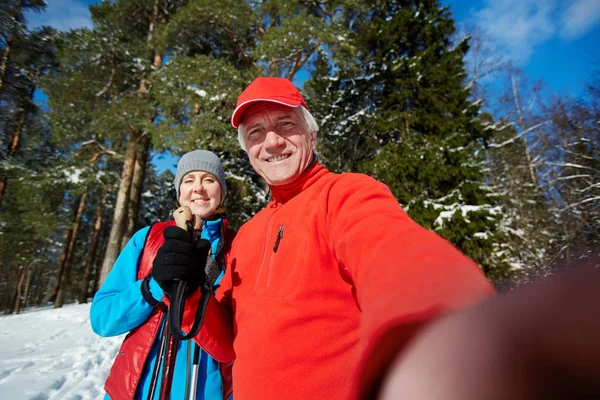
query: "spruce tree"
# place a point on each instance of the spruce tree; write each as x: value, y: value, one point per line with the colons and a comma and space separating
x: 404, y: 117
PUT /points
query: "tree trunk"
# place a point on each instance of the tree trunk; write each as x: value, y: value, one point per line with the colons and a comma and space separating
x: 61, y: 266
x: 17, y: 133
x: 102, y: 244
x: 2, y: 187
x: 15, y: 140
x: 24, y: 269
x: 27, y: 286
x: 118, y: 224
x: 4, y: 62
x: 91, y: 257
x: 66, y: 280
x: 135, y: 193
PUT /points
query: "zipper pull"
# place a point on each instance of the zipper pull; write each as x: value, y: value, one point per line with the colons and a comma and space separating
x: 279, y: 236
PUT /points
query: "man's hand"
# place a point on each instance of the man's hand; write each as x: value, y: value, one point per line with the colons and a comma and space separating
x: 178, y: 259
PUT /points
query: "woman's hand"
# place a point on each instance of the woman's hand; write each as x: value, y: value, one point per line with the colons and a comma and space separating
x: 178, y: 259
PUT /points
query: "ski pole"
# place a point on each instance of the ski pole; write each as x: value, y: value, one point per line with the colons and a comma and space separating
x: 194, y: 381
x: 186, y: 220
x: 159, y: 357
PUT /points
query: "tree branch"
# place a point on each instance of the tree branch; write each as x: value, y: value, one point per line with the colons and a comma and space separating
x: 100, y: 151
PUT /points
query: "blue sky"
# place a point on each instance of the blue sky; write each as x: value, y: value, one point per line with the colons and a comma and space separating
x: 552, y: 40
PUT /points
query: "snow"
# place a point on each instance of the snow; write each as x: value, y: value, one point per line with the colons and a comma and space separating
x: 51, y: 354
x: 199, y: 92
x: 73, y: 175
x: 464, y: 210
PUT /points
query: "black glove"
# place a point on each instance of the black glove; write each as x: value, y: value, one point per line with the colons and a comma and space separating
x: 178, y: 259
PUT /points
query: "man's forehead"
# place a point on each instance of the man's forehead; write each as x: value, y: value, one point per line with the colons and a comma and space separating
x: 270, y: 109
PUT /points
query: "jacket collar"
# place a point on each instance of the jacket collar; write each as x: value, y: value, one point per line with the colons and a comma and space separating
x: 284, y: 193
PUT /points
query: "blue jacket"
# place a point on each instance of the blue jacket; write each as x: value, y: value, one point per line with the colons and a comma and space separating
x: 119, y: 307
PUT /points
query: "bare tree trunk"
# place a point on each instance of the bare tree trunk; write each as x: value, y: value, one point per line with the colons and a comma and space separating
x: 102, y: 244
x: 136, y: 188
x: 15, y: 140
x: 61, y: 266
x: 530, y: 166
x: 4, y: 62
x: 91, y: 257
x: 27, y: 286
x: 17, y: 307
x: 18, y: 132
x: 66, y: 280
x: 2, y: 187
x: 117, y: 228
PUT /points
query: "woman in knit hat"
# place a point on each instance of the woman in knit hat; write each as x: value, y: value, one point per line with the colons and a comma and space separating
x: 133, y: 296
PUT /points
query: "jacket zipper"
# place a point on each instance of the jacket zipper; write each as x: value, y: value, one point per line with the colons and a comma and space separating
x: 279, y: 236
x: 271, y: 258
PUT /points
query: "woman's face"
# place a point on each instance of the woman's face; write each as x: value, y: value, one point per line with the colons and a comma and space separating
x: 201, y: 192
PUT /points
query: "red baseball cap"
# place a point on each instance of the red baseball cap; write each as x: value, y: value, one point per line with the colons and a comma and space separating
x: 275, y: 90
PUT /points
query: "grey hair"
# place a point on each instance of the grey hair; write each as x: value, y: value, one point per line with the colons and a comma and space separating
x: 308, y: 118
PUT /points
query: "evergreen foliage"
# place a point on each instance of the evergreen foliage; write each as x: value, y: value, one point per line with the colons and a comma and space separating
x: 407, y: 120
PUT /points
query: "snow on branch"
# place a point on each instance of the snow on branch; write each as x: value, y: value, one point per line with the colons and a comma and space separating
x: 567, y: 164
x: 520, y: 135
x: 595, y: 198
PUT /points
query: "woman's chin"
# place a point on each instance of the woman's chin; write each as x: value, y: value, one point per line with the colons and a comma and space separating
x: 202, y: 212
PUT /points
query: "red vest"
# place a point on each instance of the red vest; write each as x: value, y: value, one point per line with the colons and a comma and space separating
x: 127, y: 369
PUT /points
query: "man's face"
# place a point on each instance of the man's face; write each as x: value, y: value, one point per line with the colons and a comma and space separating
x: 277, y: 141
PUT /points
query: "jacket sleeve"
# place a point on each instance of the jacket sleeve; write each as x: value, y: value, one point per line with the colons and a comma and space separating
x: 119, y: 305
x: 404, y: 274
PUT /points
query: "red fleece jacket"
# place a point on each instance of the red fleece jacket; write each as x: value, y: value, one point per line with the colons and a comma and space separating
x: 317, y: 278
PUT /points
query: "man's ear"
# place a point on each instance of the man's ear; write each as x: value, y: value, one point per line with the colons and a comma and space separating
x: 313, y: 137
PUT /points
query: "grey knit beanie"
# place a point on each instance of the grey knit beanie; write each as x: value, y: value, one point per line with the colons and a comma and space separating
x: 200, y: 160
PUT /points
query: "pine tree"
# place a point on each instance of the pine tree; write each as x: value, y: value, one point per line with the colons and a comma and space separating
x: 404, y: 117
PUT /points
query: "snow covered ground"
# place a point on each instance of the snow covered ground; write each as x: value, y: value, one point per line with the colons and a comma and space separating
x: 51, y: 354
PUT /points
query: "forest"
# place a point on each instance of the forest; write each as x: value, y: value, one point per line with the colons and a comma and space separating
x: 507, y: 173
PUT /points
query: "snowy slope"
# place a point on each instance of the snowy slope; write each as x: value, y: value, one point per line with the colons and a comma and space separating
x: 53, y: 354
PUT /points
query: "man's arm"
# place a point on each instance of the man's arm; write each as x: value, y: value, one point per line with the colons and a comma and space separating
x: 404, y: 275
x: 538, y: 342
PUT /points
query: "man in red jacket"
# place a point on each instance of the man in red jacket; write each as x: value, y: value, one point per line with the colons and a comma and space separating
x: 331, y: 279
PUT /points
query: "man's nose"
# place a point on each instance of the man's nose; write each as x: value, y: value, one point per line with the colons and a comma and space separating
x: 273, y: 140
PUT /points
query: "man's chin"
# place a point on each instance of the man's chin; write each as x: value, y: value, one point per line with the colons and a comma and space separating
x: 279, y: 180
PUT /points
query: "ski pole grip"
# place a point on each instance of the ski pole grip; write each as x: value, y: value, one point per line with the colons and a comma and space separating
x: 182, y: 215
x: 187, y: 221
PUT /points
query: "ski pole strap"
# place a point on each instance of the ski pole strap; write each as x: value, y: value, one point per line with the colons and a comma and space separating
x: 177, y: 308
x: 146, y: 291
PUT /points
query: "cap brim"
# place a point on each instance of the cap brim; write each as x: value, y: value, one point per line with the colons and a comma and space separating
x: 241, y: 109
